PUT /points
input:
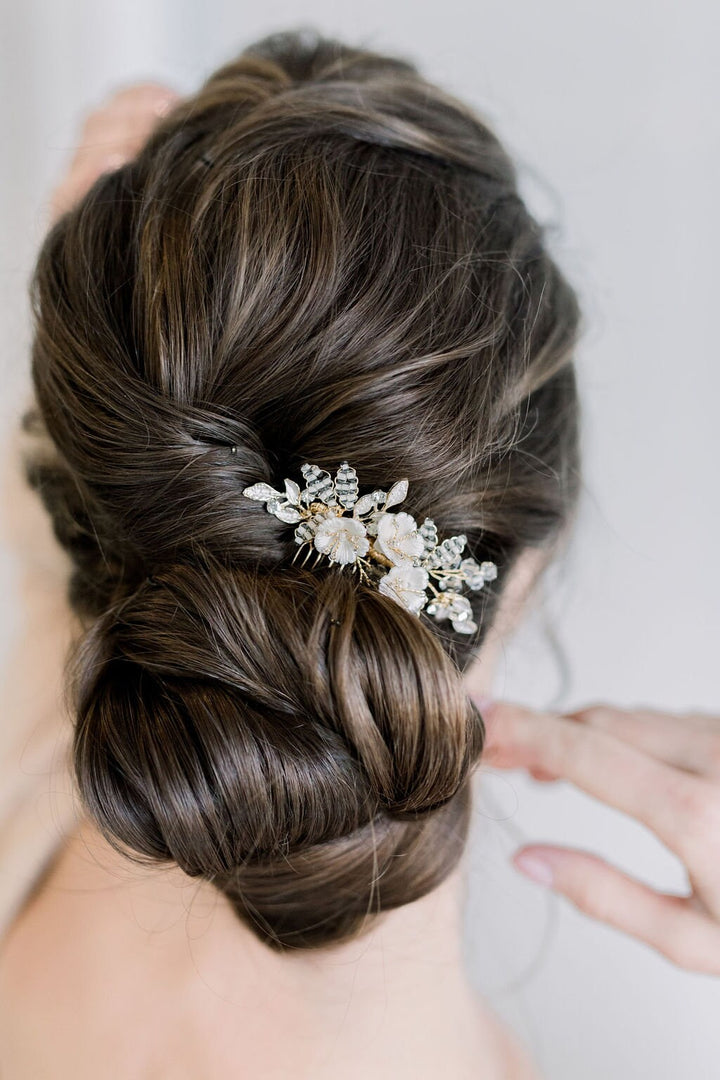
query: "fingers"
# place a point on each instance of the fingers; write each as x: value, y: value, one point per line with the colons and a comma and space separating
x: 683, y: 810
x: 147, y: 100
x: 129, y: 113
x: 659, y: 769
x: 689, y: 741
x: 80, y: 179
x: 111, y: 135
x: 123, y: 123
x: 671, y: 924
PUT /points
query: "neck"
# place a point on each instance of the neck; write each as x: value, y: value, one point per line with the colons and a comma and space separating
x: 401, y: 984
x: 175, y: 909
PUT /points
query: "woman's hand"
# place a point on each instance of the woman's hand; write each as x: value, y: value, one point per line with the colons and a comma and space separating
x: 111, y: 134
x: 660, y: 768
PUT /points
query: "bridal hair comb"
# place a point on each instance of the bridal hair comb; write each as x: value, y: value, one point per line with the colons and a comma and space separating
x: 404, y: 560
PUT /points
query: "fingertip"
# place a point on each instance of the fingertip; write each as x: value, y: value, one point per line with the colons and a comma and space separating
x: 165, y: 103
x: 533, y: 864
x: 542, y: 776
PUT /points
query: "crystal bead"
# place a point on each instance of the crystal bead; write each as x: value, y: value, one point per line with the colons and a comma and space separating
x: 452, y: 582
x: 346, y: 485
x: 429, y: 533
x: 318, y: 485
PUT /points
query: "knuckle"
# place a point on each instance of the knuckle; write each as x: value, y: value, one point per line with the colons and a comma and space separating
x: 142, y: 99
x: 568, y: 748
x: 672, y: 946
x: 685, y: 798
x: 509, y: 733
x: 696, y: 806
x: 597, y: 714
x: 678, y: 947
x: 596, y: 710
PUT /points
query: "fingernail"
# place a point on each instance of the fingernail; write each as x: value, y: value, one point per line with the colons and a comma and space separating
x: 534, y: 867
x: 163, y: 106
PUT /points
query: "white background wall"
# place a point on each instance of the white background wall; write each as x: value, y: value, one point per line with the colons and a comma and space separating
x: 611, y: 110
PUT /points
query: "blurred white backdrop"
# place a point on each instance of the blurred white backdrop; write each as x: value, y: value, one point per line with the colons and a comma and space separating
x: 611, y: 112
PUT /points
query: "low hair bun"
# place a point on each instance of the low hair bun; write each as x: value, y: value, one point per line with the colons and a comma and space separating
x: 242, y: 725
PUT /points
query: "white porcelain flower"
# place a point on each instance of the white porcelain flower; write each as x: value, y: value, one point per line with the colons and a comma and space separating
x: 342, y: 539
x: 406, y: 583
x: 398, y: 538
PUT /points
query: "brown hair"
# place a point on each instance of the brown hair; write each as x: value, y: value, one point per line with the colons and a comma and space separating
x: 318, y: 257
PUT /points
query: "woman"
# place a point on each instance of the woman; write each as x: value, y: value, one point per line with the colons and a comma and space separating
x: 318, y: 260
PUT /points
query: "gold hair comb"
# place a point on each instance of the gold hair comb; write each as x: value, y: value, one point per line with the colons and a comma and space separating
x: 404, y: 560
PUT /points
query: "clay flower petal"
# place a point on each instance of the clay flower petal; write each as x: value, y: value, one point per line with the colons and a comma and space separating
x: 398, y: 538
x: 407, y: 584
x: 342, y: 539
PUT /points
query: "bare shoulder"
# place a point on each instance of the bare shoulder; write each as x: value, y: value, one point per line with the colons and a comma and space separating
x: 102, y: 962
x: 67, y: 972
